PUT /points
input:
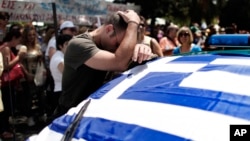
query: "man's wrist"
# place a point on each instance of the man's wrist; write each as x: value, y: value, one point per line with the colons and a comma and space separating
x: 133, y: 22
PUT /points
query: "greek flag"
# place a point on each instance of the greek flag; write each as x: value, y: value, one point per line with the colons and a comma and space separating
x: 175, y: 98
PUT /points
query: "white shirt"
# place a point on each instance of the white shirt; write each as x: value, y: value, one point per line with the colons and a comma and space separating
x: 56, y: 59
x: 52, y: 43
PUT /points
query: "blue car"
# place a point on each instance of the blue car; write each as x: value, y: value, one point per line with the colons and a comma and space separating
x: 202, y: 97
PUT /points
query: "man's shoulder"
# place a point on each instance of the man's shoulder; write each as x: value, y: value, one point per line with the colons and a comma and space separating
x: 85, y: 35
x: 82, y: 43
x: 82, y: 38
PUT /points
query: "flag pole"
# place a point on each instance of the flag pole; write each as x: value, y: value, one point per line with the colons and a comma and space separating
x: 55, y: 20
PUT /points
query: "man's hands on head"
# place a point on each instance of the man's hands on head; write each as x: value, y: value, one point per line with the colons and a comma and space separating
x: 119, y: 61
x: 142, y: 53
x: 129, y: 16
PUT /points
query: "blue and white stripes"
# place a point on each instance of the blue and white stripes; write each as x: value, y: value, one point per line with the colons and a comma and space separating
x: 173, y: 98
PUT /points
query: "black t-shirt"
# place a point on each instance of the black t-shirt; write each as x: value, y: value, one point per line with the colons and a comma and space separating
x: 79, y: 80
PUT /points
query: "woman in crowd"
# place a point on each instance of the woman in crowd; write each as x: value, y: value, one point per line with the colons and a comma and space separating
x: 185, y: 38
x: 11, y: 40
x: 144, y: 39
x: 4, y: 20
x: 49, y: 33
x: 34, y: 56
x: 56, y: 69
x: 169, y: 42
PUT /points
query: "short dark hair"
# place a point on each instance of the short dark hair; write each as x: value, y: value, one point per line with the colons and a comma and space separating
x: 117, y: 21
x: 61, y: 39
x: 13, y: 33
x: 16, y: 26
x: 4, y: 16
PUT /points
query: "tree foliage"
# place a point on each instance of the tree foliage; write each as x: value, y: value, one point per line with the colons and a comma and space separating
x: 236, y: 11
x: 184, y: 12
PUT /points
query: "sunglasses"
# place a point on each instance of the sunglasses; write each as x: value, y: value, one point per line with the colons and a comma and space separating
x: 185, y: 34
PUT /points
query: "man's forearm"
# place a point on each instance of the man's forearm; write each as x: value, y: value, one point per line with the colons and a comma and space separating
x: 125, y: 50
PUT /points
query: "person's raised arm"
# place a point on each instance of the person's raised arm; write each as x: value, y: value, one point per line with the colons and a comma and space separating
x: 118, y: 61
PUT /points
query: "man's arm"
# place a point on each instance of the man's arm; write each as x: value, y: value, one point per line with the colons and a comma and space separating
x: 118, y: 61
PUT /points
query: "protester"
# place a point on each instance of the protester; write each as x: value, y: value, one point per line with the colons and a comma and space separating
x: 199, y: 39
x: 66, y: 28
x: 169, y: 42
x: 185, y: 38
x: 31, y: 92
x: 4, y: 20
x: 49, y: 33
x: 12, y: 39
x: 50, y: 41
x: 147, y: 40
x: 90, y: 55
x: 1, y: 71
x: 56, y: 69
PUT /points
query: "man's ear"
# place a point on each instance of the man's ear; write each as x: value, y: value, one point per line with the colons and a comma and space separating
x: 109, y: 29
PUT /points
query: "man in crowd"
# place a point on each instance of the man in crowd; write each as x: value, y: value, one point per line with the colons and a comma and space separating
x: 90, y: 55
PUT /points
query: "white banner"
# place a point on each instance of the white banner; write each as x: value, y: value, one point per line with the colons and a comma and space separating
x: 37, y: 1
x: 75, y: 10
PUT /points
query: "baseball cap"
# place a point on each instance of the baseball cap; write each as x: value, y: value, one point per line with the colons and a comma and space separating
x: 67, y: 24
x: 195, y: 29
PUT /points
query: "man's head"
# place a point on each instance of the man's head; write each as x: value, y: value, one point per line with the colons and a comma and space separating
x: 113, y: 32
x: 67, y: 27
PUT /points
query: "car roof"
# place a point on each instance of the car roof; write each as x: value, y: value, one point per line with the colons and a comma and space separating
x: 195, y: 97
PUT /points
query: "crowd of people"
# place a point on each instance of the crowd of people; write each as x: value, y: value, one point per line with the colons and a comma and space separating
x: 76, y: 63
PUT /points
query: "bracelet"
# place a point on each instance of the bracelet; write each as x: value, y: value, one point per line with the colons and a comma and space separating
x: 133, y: 22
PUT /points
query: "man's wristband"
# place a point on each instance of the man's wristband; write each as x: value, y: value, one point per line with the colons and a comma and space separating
x: 133, y: 22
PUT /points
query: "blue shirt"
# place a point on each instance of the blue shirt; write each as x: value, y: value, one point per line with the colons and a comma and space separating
x: 194, y: 48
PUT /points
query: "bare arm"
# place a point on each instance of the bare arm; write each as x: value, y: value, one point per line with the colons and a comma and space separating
x: 118, y: 61
x: 60, y: 67
x: 52, y: 50
x: 7, y: 62
x: 1, y: 64
x: 156, y: 47
x: 142, y: 53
